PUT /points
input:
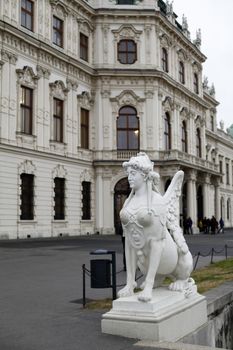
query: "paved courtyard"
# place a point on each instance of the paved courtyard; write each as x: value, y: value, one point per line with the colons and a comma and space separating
x: 41, y: 292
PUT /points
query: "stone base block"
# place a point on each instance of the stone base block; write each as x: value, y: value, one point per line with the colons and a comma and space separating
x: 169, y: 316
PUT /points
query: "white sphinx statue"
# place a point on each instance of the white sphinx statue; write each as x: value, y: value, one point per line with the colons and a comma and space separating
x: 154, y: 241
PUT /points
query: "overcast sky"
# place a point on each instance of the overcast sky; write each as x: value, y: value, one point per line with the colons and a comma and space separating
x: 215, y: 20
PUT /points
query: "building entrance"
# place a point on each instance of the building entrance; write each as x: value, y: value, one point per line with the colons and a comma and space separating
x: 121, y: 192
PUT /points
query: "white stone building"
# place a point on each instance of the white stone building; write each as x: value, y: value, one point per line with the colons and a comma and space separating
x: 85, y: 84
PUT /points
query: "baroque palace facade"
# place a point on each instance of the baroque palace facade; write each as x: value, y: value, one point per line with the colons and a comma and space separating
x: 84, y: 86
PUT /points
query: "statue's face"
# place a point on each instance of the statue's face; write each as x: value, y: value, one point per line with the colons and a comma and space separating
x: 135, y: 178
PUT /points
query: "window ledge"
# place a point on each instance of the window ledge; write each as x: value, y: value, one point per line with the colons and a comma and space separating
x: 59, y: 221
x: 87, y: 221
x: 27, y: 222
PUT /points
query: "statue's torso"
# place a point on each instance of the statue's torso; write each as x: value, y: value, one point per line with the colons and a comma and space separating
x: 139, y: 224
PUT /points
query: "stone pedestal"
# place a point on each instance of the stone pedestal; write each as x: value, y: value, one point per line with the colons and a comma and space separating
x: 169, y: 316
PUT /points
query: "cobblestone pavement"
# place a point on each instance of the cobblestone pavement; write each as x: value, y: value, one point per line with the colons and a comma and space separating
x: 41, y: 292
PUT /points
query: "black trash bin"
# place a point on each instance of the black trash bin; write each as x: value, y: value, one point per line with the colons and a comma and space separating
x: 100, y: 273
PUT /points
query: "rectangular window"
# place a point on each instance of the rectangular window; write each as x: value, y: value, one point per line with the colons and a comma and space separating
x: 84, y: 128
x: 227, y: 174
x: 27, y: 14
x: 27, y: 197
x: 57, y: 31
x: 57, y: 120
x: 59, y: 198
x: 26, y: 109
x: 83, y: 47
x: 86, y: 200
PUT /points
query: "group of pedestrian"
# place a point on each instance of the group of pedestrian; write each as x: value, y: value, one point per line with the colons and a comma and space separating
x: 205, y: 225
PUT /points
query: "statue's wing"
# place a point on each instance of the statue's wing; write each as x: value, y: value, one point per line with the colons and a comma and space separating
x: 171, y: 201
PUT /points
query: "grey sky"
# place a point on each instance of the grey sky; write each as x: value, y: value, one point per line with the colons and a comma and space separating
x: 214, y: 17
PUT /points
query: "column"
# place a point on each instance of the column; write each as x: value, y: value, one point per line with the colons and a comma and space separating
x: 206, y: 196
x: 217, y: 199
x: 192, y: 198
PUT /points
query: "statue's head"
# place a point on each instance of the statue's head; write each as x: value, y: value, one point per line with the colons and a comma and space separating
x: 142, y: 164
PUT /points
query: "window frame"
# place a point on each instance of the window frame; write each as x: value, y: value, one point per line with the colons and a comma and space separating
x: 184, y: 139
x: 27, y: 13
x: 24, y: 107
x: 198, y: 143
x: 196, y: 83
x: 58, y: 31
x: 164, y: 60
x: 125, y: 2
x: 167, y: 132
x: 59, y: 198
x: 84, y: 127
x: 27, y: 196
x: 128, y: 130
x: 181, y: 72
x: 126, y: 53
x: 83, y: 46
x: 58, y: 119
x: 86, y: 200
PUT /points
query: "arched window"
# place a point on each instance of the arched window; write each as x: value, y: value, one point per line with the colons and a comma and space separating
x: 228, y: 208
x: 181, y: 72
x: 164, y: 60
x: 126, y: 51
x: 198, y: 143
x: 128, y: 129
x: 184, y: 137
x: 167, y: 132
x: 196, y: 83
x: 222, y: 206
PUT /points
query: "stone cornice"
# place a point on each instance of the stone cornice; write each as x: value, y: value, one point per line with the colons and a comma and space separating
x: 154, y: 74
x: 47, y: 55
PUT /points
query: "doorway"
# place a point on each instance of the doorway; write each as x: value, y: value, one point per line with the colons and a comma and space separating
x: 121, y: 192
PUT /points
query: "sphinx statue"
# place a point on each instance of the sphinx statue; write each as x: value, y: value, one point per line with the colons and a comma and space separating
x: 154, y: 240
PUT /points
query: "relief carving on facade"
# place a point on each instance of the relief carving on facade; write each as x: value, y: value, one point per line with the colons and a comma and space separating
x: 27, y: 167
x: 86, y: 176
x: 165, y: 40
x: 168, y: 104
x: 59, y: 171
x: 27, y: 77
x: 127, y: 32
x: 86, y: 99
x: 58, y: 89
x: 127, y: 97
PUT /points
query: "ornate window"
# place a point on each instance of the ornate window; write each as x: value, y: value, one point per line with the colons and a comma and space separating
x: 228, y: 208
x: 167, y: 132
x: 86, y: 200
x: 27, y: 8
x: 57, y: 120
x: 212, y: 122
x: 84, y: 128
x: 181, y: 72
x: 198, y: 143
x: 26, y: 109
x: 83, y: 47
x: 27, y: 197
x: 127, y: 129
x: 57, y: 31
x: 195, y: 83
x: 59, y: 198
x: 126, y: 51
x: 227, y: 174
x: 184, y: 140
x: 164, y: 60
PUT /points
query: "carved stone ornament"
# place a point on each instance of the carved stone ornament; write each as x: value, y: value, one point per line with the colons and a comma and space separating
x: 86, y: 176
x: 185, y: 113
x: 58, y: 89
x: 127, y: 97
x: 126, y: 32
x: 59, y: 171
x: 8, y: 56
x: 27, y: 77
x: 168, y: 104
x: 165, y: 40
x: 85, y: 26
x: 59, y: 9
x: 27, y: 167
x: 86, y: 99
x: 182, y: 55
x: 200, y: 121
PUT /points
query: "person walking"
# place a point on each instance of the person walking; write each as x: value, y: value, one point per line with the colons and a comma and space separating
x: 221, y: 226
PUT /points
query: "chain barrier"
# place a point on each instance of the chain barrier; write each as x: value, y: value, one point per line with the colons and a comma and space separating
x: 211, y: 254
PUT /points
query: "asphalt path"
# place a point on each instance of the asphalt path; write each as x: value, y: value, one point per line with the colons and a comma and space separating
x: 41, y: 291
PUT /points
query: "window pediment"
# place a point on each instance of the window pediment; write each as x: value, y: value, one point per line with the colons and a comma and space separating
x: 27, y: 167
x: 126, y: 32
x: 129, y: 98
x: 165, y: 40
x: 168, y: 104
x: 27, y: 77
x: 58, y: 89
x: 59, y: 9
x: 59, y: 171
x: 86, y: 99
